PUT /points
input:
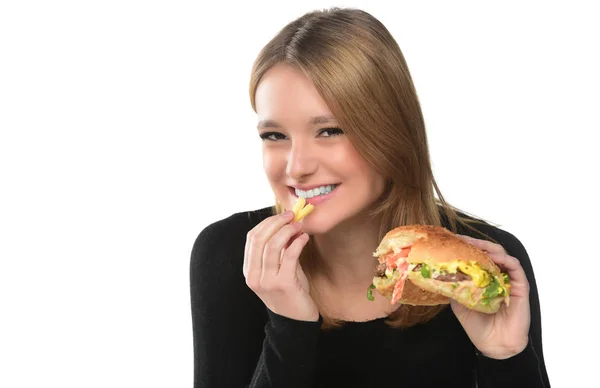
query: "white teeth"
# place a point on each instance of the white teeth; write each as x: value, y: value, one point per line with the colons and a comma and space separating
x: 315, y: 192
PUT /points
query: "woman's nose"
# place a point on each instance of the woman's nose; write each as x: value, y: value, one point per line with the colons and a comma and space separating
x: 301, y: 161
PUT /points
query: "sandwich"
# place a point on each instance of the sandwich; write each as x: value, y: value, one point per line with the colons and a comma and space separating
x: 439, y: 263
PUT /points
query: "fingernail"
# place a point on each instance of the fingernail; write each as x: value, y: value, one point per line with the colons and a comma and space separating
x: 288, y: 213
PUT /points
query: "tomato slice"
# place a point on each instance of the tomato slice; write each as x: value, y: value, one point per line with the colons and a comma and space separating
x: 392, y: 258
x: 399, y: 286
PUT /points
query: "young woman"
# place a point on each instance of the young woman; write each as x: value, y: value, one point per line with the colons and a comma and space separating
x: 278, y: 303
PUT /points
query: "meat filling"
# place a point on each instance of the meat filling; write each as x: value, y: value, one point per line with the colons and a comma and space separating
x: 448, y: 277
x: 380, y: 270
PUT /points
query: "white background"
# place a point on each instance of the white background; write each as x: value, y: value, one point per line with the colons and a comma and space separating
x: 126, y: 128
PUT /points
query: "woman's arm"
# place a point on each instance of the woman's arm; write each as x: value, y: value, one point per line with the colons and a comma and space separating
x: 238, y: 342
x: 526, y: 369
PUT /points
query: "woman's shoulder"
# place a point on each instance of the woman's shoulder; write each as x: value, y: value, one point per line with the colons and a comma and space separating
x: 235, y: 224
x: 228, y: 235
x: 216, y: 267
x: 487, y: 230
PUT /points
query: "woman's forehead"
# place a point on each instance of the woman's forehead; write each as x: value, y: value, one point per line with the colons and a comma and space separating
x: 285, y: 94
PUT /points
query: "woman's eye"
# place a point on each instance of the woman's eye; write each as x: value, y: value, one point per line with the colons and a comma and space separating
x: 272, y: 136
x: 328, y: 132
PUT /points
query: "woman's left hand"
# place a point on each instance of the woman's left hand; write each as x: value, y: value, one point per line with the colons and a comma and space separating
x: 505, y: 333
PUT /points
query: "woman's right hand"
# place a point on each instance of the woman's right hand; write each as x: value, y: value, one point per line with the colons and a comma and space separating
x: 272, y: 269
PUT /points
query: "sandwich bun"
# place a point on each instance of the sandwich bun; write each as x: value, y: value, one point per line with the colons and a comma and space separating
x: 442, y: 266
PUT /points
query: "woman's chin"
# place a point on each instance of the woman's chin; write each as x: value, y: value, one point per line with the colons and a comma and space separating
x: 314, y: 225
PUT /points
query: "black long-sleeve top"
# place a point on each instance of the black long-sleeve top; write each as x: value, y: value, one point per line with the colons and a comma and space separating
x: 239, y: 342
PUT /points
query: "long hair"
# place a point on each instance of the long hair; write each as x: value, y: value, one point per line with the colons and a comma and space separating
x: 360, y: 72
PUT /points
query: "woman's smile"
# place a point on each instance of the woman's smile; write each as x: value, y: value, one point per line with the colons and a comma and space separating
x: 315, y: 194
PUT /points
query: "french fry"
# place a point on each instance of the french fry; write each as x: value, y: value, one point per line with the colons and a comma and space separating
x: 300, y: 210
x: 304, y: 212
x: 298, y: 206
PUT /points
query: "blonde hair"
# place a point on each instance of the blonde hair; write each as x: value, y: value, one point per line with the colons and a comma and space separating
x: 360, y: 72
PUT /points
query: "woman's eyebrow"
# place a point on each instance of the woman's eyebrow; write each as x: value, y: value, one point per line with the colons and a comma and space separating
x: 322, y: 119
x: 271, y: 124
x: 267, y: 124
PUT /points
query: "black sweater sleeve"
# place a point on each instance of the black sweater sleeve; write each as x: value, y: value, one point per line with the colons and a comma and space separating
x: 289, y: 353
x: 238, y: 342
x: 526, y: 369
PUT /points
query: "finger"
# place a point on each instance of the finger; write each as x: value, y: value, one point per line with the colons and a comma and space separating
x: 290, y: 260
x: 255, y: 244
x: 487, y: 246
x: 246, y: 250
x: 506, y: 261
x: 459, y: 310
x: 510, y: 264
x: 266, y: 229
x: 287, y: 245
x: 272, y: 224
x: 249, y: 236
x: 272, y: 253
x: 291, y: 240
x: 253, y: 262
x: 256, y: 234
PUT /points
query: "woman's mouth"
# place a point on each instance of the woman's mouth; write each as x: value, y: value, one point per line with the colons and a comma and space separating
x: 316, y: 194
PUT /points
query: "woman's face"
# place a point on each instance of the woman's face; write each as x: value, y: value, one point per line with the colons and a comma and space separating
x: 305, y: 152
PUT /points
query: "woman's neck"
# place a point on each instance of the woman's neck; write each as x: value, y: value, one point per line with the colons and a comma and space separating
x: 345, y: 255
